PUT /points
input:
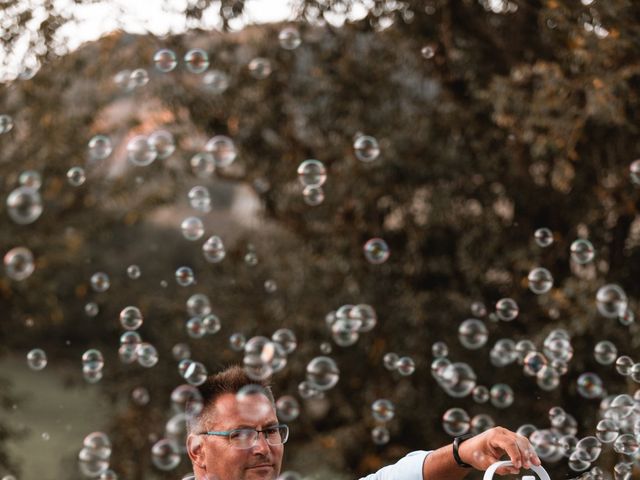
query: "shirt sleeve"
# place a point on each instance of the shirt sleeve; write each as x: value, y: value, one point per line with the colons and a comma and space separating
x: 408, y: 467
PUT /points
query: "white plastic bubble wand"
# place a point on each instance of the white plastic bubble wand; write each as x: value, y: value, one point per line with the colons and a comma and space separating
x: 542, y: 473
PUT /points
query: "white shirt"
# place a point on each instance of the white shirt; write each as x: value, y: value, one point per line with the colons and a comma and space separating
x: 408, y: 467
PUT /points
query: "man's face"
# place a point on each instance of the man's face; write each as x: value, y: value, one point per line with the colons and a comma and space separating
x: 215, y: 459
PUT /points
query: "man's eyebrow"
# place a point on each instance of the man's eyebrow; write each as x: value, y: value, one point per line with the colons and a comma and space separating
x: 251, y: 427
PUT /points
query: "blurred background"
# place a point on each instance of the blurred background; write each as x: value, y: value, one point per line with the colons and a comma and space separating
x: 438, y: 198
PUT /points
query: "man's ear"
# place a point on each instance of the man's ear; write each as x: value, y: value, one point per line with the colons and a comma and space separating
x: 195, y: 450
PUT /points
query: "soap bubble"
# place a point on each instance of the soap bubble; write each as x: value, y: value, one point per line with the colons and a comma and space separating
x: 478, y: 309
x: 481, y: 423
x: 390, y: 360
x: 503, y: 352
x: 383, y: 410
x: 623, y: 365
x: 605, y: 352
x: 253, y: 402
x: 30, y: 179
x: 216, y: 81
x: 180, y: 351
x: 557, y: 416
x: 590, y: 385
x: 458, y: 379
x: 192, y: 228
x: 203, y: 165
x: 480, y: 394
x: 200, y: 199
x: 287, y: 408
x: 140, y: 152
x: 211, y: 324
x: 133, y: 272
x: 547, y: 378
x: 635, y: 372
x: 626, y: 444
x: 37, y: 359
x: 162, y: 142
x: 439, y: 350
x: 131, y: 318
x: 611, y: 301
x: 306, y: 390
x: 544, y: 442
x: 405, y: 366
x: 366, y: 148
x: 165, y: 455
x: 147, y: 355
x: 76, y: 176
x: 312, y: 173
x: 91, y: 309
x: 380, y: 435
x: 543, y: 237
x: 6, y: 123
x: 591, y: 448
x: 100, y: 147
x: 138, y: 78
x: 577, y: 462
x: 376, y: 251
x: 222, y: 150
x: 251, y: 258
x: 270, y: 286
x: 260, y: 68
x: 540, y: 280
x: 607, y: 430
x: 140, y: 396
x: 195, y: 327
x: 213, y: 249
x: 92, y: 360
x: 313, y: 196
x: 289, y: 38
x: 325, y: 347
x: 184, y: 276
x: 523, y: 347
x: 322, y: 373
x: 92, y: 462
x: 195, y: 374
x: 473, y: 334
x: 165, y: 60
x: 19, y: 264
x: 428, y: 51
x: 24, y: 205
x: 100, y: 282
x: 186, y: 399
x: 286, y: 338
x: 634, y: 168
x: 108, y: 475
x: 582, y: 251
x: 237, y: 341
x: 501, y: 395
x: 507, y: 309
x: 456, y: 422
x: 197, y: 60
x: 627, y: 318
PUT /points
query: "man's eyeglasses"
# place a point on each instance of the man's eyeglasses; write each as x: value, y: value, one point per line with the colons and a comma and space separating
x: 248, y: 437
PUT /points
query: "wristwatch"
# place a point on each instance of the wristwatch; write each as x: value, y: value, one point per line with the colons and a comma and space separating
x: 456, y: 444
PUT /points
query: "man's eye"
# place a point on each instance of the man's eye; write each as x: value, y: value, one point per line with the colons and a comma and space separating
x: 241, y: 434
x: 271, y: 431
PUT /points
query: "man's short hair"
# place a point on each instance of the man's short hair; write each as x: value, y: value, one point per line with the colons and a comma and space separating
x: 230, y: 380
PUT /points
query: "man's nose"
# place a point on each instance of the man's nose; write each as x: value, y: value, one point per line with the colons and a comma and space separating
x: 261, y: 445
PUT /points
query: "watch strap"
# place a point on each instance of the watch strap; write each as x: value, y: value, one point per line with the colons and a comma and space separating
x: 456, y: 444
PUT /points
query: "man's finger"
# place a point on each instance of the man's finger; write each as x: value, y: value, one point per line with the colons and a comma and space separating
x: 510, y: 445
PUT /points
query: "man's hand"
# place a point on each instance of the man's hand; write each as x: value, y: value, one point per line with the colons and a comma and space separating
x: 490, y: 446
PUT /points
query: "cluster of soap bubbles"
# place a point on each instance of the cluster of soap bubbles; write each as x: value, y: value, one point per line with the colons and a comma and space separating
x: 201, y: 320
x: 129, y: 80
x: 383, y: 411
x: 92, y: 365
x: 263, y: 356
x: 349, y: 321
x: 133, y: 349
x: 143, y: 150
x: 24, y: 204
x: 322, y: 375
x: 312, y: 175
x: 404, y: 365
x: 95, y: 455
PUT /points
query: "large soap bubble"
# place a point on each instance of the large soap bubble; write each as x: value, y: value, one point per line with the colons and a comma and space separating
x: 24, y: 205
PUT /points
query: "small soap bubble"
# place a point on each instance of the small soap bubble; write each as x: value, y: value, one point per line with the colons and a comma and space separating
x: 92, y: 360
x: 181, y: 351
x: 211, y: 324
x: 24, y: 205
x: 253, y: 402
x: 634, y: 168
x: 286, y: 338
x: 195, y: 327
x: 184, y: 276
x: 165, y: 60
x: 287, y: 408
x: 30, y: 179
x: 100, y: 147
x: 390, y: 361
x: 147, y: 355
x: 456, y: 422
x: 313, y: 196
x: 607, y: 430
x: 213, y: 249
x: 366, y: 148
x: 540, y: 280
x: 501, y: 395
x: 626, y: 444
x: 131, y: 318
x: 557, y: 416
x: 380, y: 435
x: 306, y: 390
x: 200, y: 199
x: 162, y: 142
x: 192, y: 228
x: 582, y: 251
x: 37, y: 359
x: 270, y: 286
x: 590, y: 385
x: 140, y: 152
x: 439, y: 350
x: 383, y: 410
x: 428, y: 51
x: 91, y: 309
x: 405, y: 366
x: 222, y: 149
x: 478, y: 309
x: 133, y: 272
x: 260, y: 68
x: 325, y: 348
x: 198, y: 305
x: 100, y: 282
x: 251, y: 258
x: 138, y: 78
x: 605, y: 352
x: 6, y: 123
x: 480, y: 394
x: 195, y: 374
x: 611, y: 301
x: 623, y: 365
x: 196, y: 60
x: 165, y: 455
x: 140, y: 396
x: 237, y: 342
x: 312, y: 173
x: 203, y: 165
x: 19, y: 263
x: 76, y: 176
x: 216, y: 81
x: 376, y: 251
x: 543, y: 237
x: 473, y: 334
x: 186, y: 399
x: 627, y: 318
x: 289, y: 38
x: 322, y: 373
x: 507, y: 309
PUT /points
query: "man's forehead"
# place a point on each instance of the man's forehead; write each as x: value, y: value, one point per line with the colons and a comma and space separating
x: 233, y: 409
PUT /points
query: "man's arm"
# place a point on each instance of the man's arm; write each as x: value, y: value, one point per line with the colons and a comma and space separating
x: 480, y: 452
